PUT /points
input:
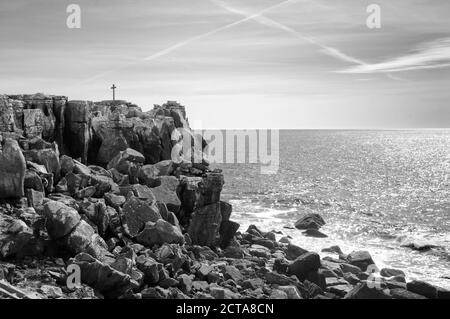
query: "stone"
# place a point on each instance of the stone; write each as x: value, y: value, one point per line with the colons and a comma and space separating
x: 205, y: 225
x: 51, y: 292
x: 166, y: 192
x: 200, y: 285
x: 149, y: 267
x: 253, y: 283
x: 294, y: 251
x: 348, y: 268
x: 35, y: 199
x: 12, y: 169
x: 67, y: 164
x: 137, y: 212
x: 333, y: 249
x: 361, y: 259
x: 399, y: 293
x: 113, y: 200
x: 49, y: 157
x: 158, y: 233
x: 231, y: 272
x: 204, y: 270
x: 422, y: 288
x: 15, y: 235
x: 303, y: 264
x: 259, y: 251
x: 363, y: 291
x: 84, y: 239
x: 291, y: 292
x: 390, y: 272
x: 443, y: 293
x: 102, y: 277
x: 60, y: 219
x: 278, y: 294
x: 314, y: 233
x: 234, y: 252
x: 310, y: 221
x: 227, y: 232
x: 128, y: 162
x: 340, y: 290
x: 225, y: 210
x: 185, y: 283
x: 149, y: 175
x: 278, y: 279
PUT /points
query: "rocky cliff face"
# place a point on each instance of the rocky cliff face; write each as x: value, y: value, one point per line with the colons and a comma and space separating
x: 80, y: 177
x: 94, y: 187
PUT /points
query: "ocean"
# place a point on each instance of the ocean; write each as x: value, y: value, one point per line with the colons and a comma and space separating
x: 376, y: 190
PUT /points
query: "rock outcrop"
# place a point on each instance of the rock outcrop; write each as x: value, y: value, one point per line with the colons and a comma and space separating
x: 109, y: 189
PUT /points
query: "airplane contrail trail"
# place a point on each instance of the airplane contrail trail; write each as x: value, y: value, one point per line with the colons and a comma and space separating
x: 330, y: 51
x: 188, y: 41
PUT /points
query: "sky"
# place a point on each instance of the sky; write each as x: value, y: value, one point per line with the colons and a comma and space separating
x: 303, y: 64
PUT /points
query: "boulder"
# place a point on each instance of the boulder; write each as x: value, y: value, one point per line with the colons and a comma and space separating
x: 227, y: 231
x: 363, y: 291
x: 84, y: 239
x: 304, y: 264
x: 390, y: 272
x: 422, y: 288
x: 399, y: 293
x: 128, y: 162
x: 107, y: 280
x: 158, y: 233
x: 15, y: 235
x: 49, y: 157
x: 12, y: 169
x: 60, y: 219
x: 361, y: 259
x: 136, y: 212
x: 294, y: 251
x: 205, y: 225
x: 310, y: 221
x: 166, y: 192
x: 150, y: 268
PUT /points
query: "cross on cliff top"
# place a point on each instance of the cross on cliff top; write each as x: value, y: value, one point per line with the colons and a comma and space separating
x: 113, y: 87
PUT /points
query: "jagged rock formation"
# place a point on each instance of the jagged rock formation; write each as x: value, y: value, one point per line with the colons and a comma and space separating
x: 108, y: 188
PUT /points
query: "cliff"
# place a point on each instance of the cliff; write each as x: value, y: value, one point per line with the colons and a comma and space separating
x: 103, y: 200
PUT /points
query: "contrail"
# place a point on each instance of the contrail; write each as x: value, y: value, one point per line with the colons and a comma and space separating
x: 330, y: 51
x: 188, y: 41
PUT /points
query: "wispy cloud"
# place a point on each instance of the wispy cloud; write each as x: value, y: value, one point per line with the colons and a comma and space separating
x: 431, y: 55
x: 328, y: 50
x: 181, y: 44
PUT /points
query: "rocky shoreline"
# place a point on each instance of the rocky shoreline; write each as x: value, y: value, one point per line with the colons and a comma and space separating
x: 106, y: 191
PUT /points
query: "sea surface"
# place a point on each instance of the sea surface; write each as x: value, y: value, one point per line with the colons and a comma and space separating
x: 376, y: 190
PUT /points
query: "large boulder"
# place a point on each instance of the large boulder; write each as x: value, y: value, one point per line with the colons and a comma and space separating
x: 12, y: 169
x: 304, y: 264
x: 15, y: 235
x: 107, y: 280
x: 61, y: 219
x: 422, y: 288
x: 49, y: 157
x: 167, y: 193
x: 77, y: 117
x: 310, y: 221
x: 205, y: 225
x: 137, y: 212
x: 361, y: 259
x: 364, y: 291
x: 158, y: 233
x: 128, y: 162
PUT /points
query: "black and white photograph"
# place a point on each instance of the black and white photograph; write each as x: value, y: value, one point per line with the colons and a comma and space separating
x: 224, y: 154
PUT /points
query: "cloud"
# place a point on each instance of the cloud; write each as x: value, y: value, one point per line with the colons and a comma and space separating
x: 181, y: 44
x: 330, y: 51
x: 431, y: 55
